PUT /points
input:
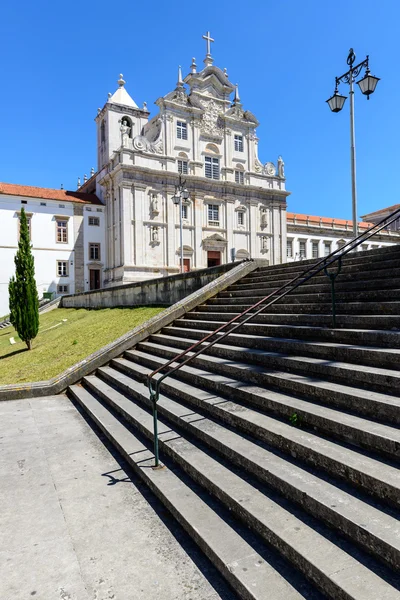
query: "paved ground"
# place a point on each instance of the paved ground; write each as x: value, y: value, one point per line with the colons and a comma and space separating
x: 74, y: 526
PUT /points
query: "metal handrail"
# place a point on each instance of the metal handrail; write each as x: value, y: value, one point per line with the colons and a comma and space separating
x: 285, y: 289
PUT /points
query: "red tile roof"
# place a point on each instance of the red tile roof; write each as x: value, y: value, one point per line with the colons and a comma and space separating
x: 314, y: 220
x: 28, y: 191
x: 383, y: 211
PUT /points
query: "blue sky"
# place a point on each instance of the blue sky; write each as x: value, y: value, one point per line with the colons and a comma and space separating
x: 59, y: 61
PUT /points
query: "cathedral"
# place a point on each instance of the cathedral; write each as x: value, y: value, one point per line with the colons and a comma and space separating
x: 236, y: 205
x: 180, y: 191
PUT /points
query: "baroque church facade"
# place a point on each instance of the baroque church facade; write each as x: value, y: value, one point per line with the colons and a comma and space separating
x: 237, y: 205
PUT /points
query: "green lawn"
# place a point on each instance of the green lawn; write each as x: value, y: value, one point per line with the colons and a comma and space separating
x: 66, y: 336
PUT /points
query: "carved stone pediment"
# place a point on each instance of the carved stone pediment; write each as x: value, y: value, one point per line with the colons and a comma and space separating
x: 214, y: 242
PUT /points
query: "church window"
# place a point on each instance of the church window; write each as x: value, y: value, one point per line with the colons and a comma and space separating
x: 239, y: 177
x: 183, y: 167
x: 94, y: 251
x: 102, y: 132
x: 240, y: 217
x: 213, y: 215
x: 289, y: 248
x: 315, y: 249
x: 184, y: 211
x: 211, y: 167
x: 302, y: 249
x: 62, y: 268
x: 327, y: 248
x: 238, y: 143
x: 94, y: 221
x: 62, y: 289
x: 181, y: 130
x: 62, y: 231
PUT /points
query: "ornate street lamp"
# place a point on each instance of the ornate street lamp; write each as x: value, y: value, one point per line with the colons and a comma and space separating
x: 181, y: 193
x: 336, y: 102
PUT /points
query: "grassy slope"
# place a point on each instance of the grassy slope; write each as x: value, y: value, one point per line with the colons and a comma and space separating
x: 59, y: 346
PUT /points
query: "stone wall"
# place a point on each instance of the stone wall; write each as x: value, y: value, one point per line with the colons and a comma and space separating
x: 163, y: 291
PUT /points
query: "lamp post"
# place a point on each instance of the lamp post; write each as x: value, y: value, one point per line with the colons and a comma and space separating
x: 181, y: 193
x: 367, y: 86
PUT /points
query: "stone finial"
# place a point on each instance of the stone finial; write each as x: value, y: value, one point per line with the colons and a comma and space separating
x: 92, y: 172
x: 193, y: 66
x: 226, y: 72
x: 85, y: 178
x: 180, y: 80
x: 236, y: 99
x: 79, y: 182
x: 62, y: 186
x: 109, y: 95
x: 98, y: 111
x: 121, y: 81
x: 144, y: 106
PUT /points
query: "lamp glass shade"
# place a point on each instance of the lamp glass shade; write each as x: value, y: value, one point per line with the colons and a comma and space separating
x: 185, y: 194
x: 368, y: 84
x: 176, y: 199
x: 336, y: 102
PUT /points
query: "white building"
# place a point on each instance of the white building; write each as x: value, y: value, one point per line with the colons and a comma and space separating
x: 67, y: 235
x: 237, y: 205
x: 311, y: 236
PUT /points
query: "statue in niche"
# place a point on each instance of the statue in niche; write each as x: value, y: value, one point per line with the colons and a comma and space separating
x: 154, y: 234
x: 264, y: 242
x: 281, y: 167
x: 154, y: 204
x: 125, y: 132
x: 264, y: 217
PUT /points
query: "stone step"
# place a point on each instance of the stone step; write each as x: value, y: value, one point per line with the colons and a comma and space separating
x: 366, y: 337
x: 348, y: 321
x: 253, y: 296
x: 375, y: 254
x: 342, y: 308
x: 359, y: 273
x: 348, y: 264
x: 352, y: 353
x: 312, y: 287
x: 386, y: 381
x: 292, y: 537
x: 373, y: 477
x: 330, y: 504
x: 236, y: 381
x: 239, y: 562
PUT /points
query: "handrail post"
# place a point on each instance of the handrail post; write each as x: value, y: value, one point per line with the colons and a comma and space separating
x: 332, y: 277
x: 154, y: 399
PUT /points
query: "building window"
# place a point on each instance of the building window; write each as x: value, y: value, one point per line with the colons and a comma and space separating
x: 62, y: 289
x: 102, y: 132
x: 94, y: 251
x: 239, y: 177
x: 181, y: 130
x: 289, y: 248
x: 364, y: 246
x: 94, y: 221
x: 184, y: 211
x: 240, y: 217
x: 302, y: 249
x: 62, y: 231
x: 62, y: 268
x: 211, y: 167
x: 327, y: 248
x: 238, y: 143
x: 213, y: 215
x: 183, y: 167
x: 315, y: 249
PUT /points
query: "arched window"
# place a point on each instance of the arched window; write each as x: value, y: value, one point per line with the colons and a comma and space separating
x: 103, y: 132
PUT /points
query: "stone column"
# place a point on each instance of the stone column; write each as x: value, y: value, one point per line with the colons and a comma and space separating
x: 126, y: 224
x: 253, y: 227
x: 139, y: 192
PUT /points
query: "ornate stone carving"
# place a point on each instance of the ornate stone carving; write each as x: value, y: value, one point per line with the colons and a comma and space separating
x: 211, y: 123
x: 257, y: 166
x: 142, y: 144
x: 269, y: 169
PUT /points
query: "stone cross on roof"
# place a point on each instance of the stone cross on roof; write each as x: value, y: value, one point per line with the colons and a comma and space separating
x: 208, y: 60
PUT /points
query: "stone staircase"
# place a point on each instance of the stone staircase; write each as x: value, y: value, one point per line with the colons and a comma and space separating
x: 281, y: 444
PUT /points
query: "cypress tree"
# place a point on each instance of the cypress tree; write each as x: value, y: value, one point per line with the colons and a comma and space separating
x: 23, y: 296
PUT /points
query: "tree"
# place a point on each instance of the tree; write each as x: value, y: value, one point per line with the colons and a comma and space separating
x: 23, y: 296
